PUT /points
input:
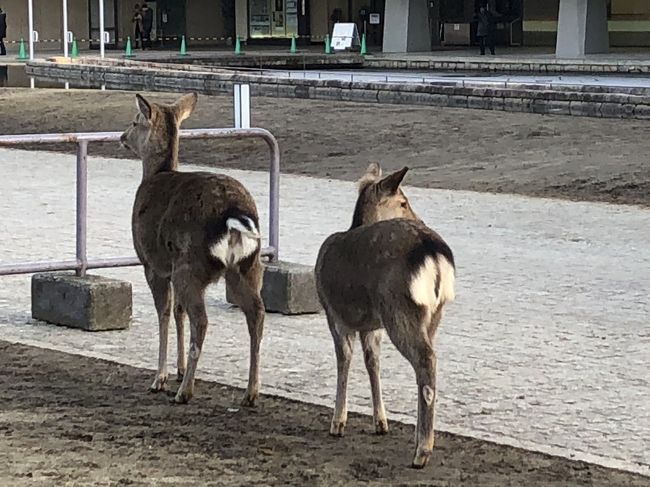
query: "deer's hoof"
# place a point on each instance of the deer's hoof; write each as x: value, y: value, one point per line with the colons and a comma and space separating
x: 179, y: 375
x: 337, y: 429
x: 249, y: 401
x: 381, y: 427
x: 159, y: 384
x: 181, y: 398
x: 421, y: 459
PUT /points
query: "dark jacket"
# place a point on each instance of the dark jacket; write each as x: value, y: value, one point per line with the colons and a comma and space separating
x: 484, y: 24
x: 147, y: 19
x: 3, y: 25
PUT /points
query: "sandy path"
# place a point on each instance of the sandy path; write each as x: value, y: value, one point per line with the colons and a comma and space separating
x: 556, y: 156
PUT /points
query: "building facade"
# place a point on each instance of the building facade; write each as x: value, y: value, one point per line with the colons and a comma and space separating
x: 209, y: 22
x: 440, y: 22
x: 628, y: 22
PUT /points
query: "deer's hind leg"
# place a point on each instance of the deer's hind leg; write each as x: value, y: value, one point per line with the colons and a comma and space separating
x: 190, y: 295
x: 245, y: 282
x: 343, y: 346
x: 411, y: 333
x: 371, y: 344
x: 161, y: 291
x: 181, y: 362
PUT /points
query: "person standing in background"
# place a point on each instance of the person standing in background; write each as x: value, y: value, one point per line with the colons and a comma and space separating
x: 147, y: 25
x: 137, y: 26
x: 484, y: 30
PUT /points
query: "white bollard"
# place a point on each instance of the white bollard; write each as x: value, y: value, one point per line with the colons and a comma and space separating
x: 242, y: 106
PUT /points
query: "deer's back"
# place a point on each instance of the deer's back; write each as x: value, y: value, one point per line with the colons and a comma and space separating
x: 183, y: 213
x: 371, y: 268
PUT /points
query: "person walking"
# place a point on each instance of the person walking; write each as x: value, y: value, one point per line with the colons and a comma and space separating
x: 147, y: 25
x: 137, y: 25
x: 484, y: 30
x: 3, y: 32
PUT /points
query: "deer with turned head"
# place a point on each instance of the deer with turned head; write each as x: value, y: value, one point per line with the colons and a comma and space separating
x: 389, y: 272
x: 189, y: 230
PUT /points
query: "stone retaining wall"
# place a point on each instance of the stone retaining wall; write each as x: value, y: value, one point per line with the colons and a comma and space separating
x: 589, y: 101
x: 511, y: 65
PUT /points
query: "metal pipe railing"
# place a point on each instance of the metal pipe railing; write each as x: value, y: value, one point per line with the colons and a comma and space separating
x: 82, y: 263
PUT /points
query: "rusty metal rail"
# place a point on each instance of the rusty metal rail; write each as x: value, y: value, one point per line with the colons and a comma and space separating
x: 82, y: 263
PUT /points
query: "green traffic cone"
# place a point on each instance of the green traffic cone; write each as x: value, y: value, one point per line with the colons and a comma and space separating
x: 129, y: 48
x: 328, y: 49
x: 293, y: 45
x: 237, y: 46
x: 75, y: 51
x: 364, y: 51
x: 183, y: 47
x: 21, y: 52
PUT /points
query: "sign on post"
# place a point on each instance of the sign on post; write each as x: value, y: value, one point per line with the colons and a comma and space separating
x: 375, y: 19
x: 242, y: 107
x: 345, y: 36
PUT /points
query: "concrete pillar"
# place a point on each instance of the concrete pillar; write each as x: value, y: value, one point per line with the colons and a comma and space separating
x: 582, y: 28
x: 406, y: 26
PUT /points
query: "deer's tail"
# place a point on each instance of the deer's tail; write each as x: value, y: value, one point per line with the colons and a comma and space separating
x: 433, y: 276
x: 241, y: 240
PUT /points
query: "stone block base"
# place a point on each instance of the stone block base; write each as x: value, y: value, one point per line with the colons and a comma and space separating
x: 92, y: 303
x: 288, y: 288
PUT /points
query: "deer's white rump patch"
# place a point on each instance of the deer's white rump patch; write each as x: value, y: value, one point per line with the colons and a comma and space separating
x: 231, y: 249
x: 423, y: 283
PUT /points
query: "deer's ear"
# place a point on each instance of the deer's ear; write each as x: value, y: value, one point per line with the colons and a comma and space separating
x: 144, y: 106
x: 390, y: 184
x: 372, y: 175
x: 184, y: 106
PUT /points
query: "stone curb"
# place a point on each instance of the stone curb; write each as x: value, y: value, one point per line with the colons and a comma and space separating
x: 585, y: 101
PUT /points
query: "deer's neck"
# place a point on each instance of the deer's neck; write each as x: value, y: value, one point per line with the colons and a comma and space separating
x: 163, y: 160
x: 357, y: 217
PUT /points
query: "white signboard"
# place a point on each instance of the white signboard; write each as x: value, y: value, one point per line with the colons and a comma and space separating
x: 345, y: 36
x: 375, y: 19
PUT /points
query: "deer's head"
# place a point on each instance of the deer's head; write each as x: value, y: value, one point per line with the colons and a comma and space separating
x: 153, y: 134
x: 381, y: 198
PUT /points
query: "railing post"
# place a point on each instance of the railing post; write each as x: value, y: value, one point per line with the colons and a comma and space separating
x: 274, y: 198
x: 82, y: 206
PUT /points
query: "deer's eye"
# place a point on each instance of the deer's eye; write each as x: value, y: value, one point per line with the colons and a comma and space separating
x: 404, y: 204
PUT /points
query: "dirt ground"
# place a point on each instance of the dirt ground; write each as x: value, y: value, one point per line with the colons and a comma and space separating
x: 71, y: 420
x: 554, y: 156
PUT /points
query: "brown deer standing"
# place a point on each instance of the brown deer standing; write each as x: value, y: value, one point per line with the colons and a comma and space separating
x: 390, y: 272
x: 189, y: 230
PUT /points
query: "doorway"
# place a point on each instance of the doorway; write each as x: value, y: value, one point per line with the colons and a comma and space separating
x: 172, y: 20
x: 273, y: 18
x: 110, y: 23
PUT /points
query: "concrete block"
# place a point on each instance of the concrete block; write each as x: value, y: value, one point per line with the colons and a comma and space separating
x: 516, y: 105
x: 92, y: 303
x: 479, y: 102
x: 642, y: 112
x: 288, y: 288
x: 616, y: 110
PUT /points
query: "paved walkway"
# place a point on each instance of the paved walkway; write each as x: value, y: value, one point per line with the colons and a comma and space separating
x: 547, y: 346
x: 460, y: 79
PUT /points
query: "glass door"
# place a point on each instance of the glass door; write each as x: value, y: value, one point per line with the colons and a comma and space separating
x: 278, y: 26
x: 259, y: 19
x: 291, y: 18
x: 273, y: 18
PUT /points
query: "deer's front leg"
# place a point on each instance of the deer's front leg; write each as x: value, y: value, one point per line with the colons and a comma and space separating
x: 343, y: 346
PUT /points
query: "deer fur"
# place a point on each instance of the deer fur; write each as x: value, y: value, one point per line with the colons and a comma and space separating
x: 189, y: 230
x: 389, y: 272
